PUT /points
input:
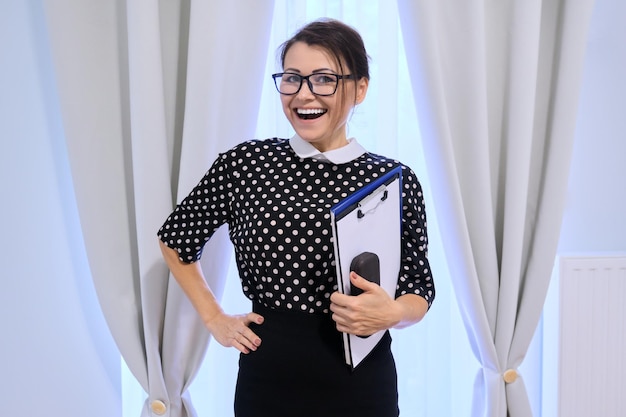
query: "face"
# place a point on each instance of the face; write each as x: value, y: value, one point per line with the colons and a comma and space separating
x: 328, y: 130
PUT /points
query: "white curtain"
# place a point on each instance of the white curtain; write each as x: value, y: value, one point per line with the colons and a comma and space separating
x: 150, y: 92
x: 496, y: 86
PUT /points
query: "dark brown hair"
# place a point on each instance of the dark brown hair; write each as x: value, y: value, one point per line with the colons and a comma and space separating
x: 342, y: 41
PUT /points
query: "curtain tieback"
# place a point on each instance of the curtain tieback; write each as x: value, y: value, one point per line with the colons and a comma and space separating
x: 158, y: 407
x: 510, y: 375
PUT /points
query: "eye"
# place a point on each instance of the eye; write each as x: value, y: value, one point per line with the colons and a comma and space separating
x: 324, y: 78
x: 291, y: 78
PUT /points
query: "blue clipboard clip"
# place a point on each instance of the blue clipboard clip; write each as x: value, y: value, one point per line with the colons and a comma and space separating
x: 359, y: 199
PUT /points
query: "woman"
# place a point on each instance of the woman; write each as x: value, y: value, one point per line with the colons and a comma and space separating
x: 275, y: 196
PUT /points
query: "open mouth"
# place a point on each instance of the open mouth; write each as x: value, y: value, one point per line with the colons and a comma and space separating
x: 308, y: 114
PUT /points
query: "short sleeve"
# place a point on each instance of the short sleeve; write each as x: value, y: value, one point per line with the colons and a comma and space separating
x: 415, y: 274
x: 200, y: 214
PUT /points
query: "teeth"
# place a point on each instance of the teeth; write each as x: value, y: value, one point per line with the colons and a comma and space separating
x: 311, y: 111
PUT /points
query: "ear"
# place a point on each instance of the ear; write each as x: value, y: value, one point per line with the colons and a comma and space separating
x: 361, y: 90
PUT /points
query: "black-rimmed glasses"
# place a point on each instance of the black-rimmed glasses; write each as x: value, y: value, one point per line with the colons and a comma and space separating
x: 320, y: 83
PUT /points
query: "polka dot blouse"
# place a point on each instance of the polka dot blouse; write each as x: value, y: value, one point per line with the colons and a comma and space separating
x: 277, y: 208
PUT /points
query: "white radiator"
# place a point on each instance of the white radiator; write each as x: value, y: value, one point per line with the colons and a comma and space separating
x: 592, y: 337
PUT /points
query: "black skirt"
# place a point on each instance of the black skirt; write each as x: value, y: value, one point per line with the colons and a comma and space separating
x: 299, y: 371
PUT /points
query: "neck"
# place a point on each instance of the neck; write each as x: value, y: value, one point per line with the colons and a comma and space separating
x: 325, y: 147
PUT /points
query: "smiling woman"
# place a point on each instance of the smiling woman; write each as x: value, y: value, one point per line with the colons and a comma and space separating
x: 385, y: 122
x: 275, y: 195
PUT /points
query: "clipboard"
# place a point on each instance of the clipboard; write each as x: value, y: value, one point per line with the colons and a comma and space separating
x: 369, y: 220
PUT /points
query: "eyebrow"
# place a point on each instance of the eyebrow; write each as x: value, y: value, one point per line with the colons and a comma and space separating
x: 314, y: 71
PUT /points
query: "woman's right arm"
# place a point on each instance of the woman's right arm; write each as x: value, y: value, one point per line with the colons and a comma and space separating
x: 228, y: 330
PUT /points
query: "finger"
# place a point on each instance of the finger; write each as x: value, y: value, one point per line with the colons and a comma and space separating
x: 339, y: 313
x: 254, y: 318
x: 339, y: 299
x: 362, y: 283
x: 339, y: 320
x: 240, y: 347
x: 342, y: 328
x: 244, y: 340
x: 248, y: 337
x: 251, y: 340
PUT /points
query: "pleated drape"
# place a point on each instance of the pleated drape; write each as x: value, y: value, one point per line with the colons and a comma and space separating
x: 150, y: 92
x: 496, y: 85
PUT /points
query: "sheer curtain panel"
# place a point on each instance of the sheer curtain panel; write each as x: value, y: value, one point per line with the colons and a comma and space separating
x: 143, y: 117
x: 496, y: 86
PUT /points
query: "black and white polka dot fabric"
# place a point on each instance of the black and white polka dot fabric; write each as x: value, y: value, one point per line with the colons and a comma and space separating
x: 277, y: 207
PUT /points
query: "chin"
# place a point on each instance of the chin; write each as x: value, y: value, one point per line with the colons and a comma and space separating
x: 309, y: 136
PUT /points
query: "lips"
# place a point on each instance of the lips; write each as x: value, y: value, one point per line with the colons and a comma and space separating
x: 309, y: 114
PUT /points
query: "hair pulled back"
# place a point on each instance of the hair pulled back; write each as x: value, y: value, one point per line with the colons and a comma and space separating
x: 341, y: 41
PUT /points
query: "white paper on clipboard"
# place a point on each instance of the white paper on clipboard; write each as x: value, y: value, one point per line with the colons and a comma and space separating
x: 369, y: 221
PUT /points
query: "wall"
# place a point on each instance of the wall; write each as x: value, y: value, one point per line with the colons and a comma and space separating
x: 595, y: 216
x: 56, y: 354
x: 594, y: 221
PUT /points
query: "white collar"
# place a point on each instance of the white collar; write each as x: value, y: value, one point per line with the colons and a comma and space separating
x: 346, y: 153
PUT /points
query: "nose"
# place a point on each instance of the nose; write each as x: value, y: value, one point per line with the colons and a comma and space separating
x: 305, y: 92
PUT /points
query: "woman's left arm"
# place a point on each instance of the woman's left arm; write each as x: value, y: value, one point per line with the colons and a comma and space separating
x: 413, y: 309
x: 374, y: 309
